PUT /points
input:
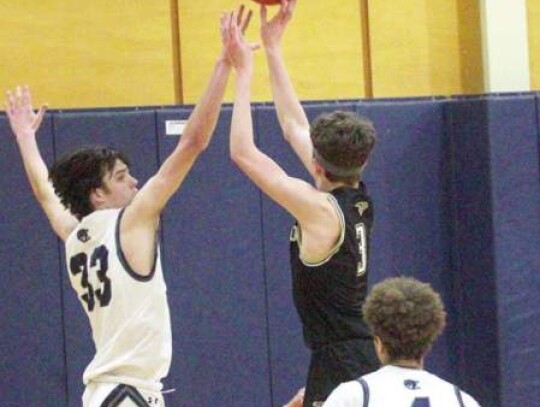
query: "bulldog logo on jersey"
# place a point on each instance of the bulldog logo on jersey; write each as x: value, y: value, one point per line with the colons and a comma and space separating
x: 362, y: 206
x: 83, y: 235
x: 411, y: 384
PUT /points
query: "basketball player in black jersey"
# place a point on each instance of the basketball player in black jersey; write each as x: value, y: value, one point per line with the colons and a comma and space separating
x: 330, y: 240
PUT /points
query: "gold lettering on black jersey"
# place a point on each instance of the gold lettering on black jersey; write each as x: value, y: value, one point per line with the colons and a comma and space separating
x: 294, y: 234
x: 361, y: 206
x: 361, y: 238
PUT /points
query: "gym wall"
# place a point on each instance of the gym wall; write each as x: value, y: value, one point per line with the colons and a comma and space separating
x: 455, y: 186
x: 103, y: 54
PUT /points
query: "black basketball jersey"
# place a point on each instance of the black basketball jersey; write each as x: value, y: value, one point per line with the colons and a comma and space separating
x: 329, y: 295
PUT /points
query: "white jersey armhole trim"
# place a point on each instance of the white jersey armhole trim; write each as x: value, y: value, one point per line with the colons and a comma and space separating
x: 338, y: 244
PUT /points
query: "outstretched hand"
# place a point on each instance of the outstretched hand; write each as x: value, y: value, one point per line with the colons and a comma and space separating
x: 272, y: 30
x: 239, y: 52
x: 24, y: 121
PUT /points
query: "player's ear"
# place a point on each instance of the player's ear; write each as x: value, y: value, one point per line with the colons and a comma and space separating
x: 379, y: 347
x: 97, y: 197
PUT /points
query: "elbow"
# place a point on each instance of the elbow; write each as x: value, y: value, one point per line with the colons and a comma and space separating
x: 196, y: 144
x: 236, y: 156
x: 240, y: 156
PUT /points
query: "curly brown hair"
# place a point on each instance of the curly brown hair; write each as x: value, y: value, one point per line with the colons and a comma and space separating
x: 344, y: 140
x: 407, y: 315
x: 75, y: 175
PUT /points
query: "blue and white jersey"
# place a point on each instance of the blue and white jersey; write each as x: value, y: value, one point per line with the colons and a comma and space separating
x: 128, y: 313
x: 399, y: 387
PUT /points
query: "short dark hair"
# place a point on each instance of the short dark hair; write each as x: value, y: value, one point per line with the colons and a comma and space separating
x: 407, y: 315
x: 343, y: 140
x: 75, y: 175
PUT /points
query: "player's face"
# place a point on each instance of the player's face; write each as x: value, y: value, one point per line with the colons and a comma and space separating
x: 119, y: 186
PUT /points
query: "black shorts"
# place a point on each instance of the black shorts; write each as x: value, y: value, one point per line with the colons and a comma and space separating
x: 336, y: 363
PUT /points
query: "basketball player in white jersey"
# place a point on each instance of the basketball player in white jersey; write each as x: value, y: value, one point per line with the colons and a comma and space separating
x: 405, y: 316
x: 110, y: 230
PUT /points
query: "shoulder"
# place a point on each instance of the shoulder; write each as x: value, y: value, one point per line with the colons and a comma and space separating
x: 468, y: 400
x: 348, y: 394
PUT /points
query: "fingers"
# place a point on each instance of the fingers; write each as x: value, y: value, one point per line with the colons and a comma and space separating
x: 264, y: 14
x: 287, y: 8
x: 291, y: 6
x: 235, y: 33
x: 25, y: 96
x: 39, y: 117
x: 18, y: 94
x: 240, y: 15
x: 223, y: 25
x: 11, y: 104
x: 247, y: 20
x: 226, y: 27
x: 10, y: 99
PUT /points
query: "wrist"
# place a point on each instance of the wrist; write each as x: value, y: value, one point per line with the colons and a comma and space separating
x: 223, y: 62
x: 25, y: 136
x: 272, y: 49
x: 245, y: 72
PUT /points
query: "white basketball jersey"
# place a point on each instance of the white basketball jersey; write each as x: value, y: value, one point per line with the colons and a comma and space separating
x: 129, y: 314
x: 399, y: 387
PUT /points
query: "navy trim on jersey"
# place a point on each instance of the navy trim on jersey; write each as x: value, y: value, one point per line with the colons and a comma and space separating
x: 459, y: 396
x: 365, y: 390
x: 121, y: 393
x: 123, y: 260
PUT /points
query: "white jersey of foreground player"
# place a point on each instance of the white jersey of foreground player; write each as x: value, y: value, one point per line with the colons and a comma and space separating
x: 399, y: 387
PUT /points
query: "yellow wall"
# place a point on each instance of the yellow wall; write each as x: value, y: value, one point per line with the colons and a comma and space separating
x: 425, y: 47
x: 120, y: 53
x: 322, y: 48
x: 533, y: 9
x: 88, y: 53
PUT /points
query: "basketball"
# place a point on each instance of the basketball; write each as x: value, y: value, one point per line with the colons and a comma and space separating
x: 268, y: 2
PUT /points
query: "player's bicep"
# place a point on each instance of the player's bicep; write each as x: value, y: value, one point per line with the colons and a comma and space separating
x: 154, y: 195
x: 293, y: 194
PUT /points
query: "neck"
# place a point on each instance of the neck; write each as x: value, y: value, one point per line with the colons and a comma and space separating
x: 327, y: 186
x: 407, y: 363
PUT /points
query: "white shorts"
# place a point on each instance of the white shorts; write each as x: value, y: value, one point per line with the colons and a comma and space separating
x: 120, y: 395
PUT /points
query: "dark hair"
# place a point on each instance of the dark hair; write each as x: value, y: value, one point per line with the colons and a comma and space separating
x: 75, y: 175
x: 344, y: 140
x: 407, y: 315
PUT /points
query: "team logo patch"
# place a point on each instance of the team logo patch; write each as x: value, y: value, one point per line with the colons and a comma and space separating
x: 83, y: 235
x: 362, y: 206
x: 411, y: 384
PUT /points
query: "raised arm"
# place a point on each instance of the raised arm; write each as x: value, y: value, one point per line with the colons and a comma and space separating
x: 308, y: 205
x: 152, y: 198
x: 24, y: 123
x: 291, y: 115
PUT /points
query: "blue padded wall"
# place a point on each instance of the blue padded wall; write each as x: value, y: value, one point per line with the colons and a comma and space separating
x: 133, y: 132
x: 288, y: 354
x: 32, y: 356
x: 407, y: 177
x: 214, y: 268
x: 473, y: 257
x: 514, y: 164
x: 457, y: 204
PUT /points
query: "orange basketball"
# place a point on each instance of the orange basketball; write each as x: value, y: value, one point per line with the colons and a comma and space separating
x: 268, y: 2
